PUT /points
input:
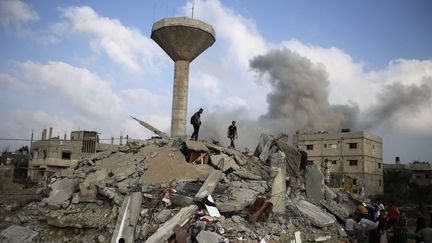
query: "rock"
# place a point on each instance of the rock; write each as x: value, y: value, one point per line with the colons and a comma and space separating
x: 278, y: 192
x: 101, y: 238
x: 223, y: 162
x: 163, y: 216
x: 207, y: 237
x: 317, y: 217
x: 313, y: 182
x: 62, y: 190
x: 65, y: 204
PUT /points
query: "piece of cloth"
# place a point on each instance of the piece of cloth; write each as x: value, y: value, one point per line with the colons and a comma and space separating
x: 393, y: 212
x: 420, y: 224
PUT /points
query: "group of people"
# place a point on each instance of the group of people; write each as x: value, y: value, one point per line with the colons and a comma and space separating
x: 380, y: 225
x: 196, y: 123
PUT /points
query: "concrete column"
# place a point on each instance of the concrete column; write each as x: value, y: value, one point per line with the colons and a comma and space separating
x: 44, y: 133
x: 50, y: 133
x: 180, y: 97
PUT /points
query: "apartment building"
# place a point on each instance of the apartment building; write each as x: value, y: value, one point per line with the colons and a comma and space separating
x: 357, y: 155
x: 52, y: 154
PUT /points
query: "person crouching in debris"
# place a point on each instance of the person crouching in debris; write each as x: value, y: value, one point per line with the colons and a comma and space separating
x: 196, y: 123
x: 232, y: 133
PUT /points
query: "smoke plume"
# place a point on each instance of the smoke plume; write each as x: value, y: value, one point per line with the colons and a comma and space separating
x: 299, y: 100
x: 397, y: 99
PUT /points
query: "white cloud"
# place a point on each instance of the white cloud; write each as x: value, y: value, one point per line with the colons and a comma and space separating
x: 16, y: 13
x: 78, y: 88
x: 240, y: 34
x: 123, y: 45
x: 205, y: 85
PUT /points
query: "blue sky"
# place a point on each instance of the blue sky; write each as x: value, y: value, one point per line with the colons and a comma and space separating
x: 90, y: 64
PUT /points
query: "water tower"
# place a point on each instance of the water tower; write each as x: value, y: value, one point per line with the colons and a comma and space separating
x: 183, y: 39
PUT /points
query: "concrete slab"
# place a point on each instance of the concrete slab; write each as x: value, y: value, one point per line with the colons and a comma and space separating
x: 17, y: 234
x: 278, y: 192
x: 317, y: 216
x: 196, y: 146
x: 293, y: 157
x: 62, y: 190
x: 223, y: 162
x: 169, y: 164
x: 238, y: 199
x: 313, y: 182
x: 167, y: 229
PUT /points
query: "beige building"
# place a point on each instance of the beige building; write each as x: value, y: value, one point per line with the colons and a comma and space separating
x: 358, y: 155
x: 52, y: 154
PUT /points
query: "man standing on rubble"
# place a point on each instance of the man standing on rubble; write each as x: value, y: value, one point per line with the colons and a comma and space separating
x: 196, y: 123
x: 232, y: 133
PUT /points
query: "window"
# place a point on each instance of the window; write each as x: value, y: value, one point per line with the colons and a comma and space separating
x: 334, y: 162
x: 352, y: 145
x: 325, y: 145
x: 309, y: 162
x: 309, y: 147
x: 426, y: 176
x: 66, y: 155
x: 333, y: 146
x: 352, y: 162
x: 354, y: 181
x: 379, y: 165
x: 379, y: 183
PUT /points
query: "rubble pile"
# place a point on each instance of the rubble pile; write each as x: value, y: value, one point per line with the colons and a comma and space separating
x: 163, y: 189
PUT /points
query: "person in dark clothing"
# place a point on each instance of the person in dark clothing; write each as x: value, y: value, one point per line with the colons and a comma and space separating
x: 196, y: 123
x: 420, y: 223
x: 232, y: 133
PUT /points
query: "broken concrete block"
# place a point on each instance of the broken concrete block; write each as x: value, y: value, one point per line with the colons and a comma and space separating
x: 313, y: 182
x: 317, y: 216
x: 292, y: 155
x: 223, y: 162
x: 209, y: 185
x: 62, y: 190
x: 167, y: 229
x: 17, y: 234
x: 207, y: 237
x: 163, y: 216
x: 170, y: 165
x: 239, y: 198
x: 258, y: 186
x: 263, y: 147
x: 88, y: 189
x: 196, y: 146
x: 247, y: 175
x: 278, y: 192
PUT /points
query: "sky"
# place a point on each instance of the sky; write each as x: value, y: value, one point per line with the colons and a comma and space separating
x: 276, y: 67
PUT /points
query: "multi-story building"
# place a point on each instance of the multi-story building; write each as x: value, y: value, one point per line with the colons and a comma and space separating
x: 51, y: 155
x: 419, y: 173
x: 357, y: 155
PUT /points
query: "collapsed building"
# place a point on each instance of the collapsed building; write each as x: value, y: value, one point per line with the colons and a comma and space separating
x: 52, y: 154
x: 355, y: 159
x: 160, y: 189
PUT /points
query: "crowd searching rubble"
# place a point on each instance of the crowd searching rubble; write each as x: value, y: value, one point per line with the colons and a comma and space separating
x: 170, y: 190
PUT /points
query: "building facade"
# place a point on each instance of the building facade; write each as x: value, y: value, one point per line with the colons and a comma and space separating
x: 357, y: 155
x: 52, y: 154
x: 420, y: 173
